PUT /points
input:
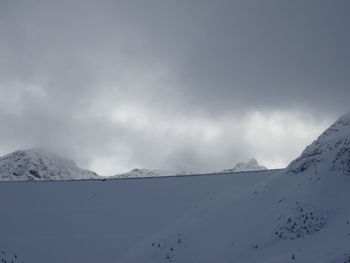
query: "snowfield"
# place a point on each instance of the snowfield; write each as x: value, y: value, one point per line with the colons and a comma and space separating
x: 297, y: 214
x: 264, y: 216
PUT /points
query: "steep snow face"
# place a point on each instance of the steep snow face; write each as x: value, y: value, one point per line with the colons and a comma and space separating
x: 251, y: 165
x: 138, y: 173
x: 331, y: 150
x: 37, y: 164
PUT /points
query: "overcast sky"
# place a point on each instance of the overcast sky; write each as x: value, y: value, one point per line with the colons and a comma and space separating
x: 194, y: 85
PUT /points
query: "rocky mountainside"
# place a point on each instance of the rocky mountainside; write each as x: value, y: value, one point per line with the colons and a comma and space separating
x: 38, y: 164
x: 251, y: 165
x: 331, y: 150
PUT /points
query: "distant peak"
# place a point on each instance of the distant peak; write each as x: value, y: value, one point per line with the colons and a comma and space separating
x: 41, y: 153
x: 39, y: 164
x: 251, y: 165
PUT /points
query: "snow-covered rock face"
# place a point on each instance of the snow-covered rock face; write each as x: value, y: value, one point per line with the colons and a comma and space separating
x: 331, y: 149
x: 251, y: 165
x: 37, y: 164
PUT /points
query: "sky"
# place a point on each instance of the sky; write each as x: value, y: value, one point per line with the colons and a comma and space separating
x: 194, y: 85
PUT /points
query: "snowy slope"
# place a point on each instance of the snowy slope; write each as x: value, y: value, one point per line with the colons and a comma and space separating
x: 241, y: 217
x: 104, y: 220
x: 38, y: 164
x: 262, y: 216
x: 251, y: 165
x: 276, y: 220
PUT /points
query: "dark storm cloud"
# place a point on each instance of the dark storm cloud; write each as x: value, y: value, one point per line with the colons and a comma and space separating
x: 169, y: 84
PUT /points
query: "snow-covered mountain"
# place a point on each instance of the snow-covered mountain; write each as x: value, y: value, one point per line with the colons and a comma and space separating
x: 331, y: 150
x: 251, y: 165
x: 38, y: 164
x: 140, y: 173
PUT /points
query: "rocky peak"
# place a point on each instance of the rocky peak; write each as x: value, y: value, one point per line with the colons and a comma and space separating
x: 331, y: 148
x: 251, y: 165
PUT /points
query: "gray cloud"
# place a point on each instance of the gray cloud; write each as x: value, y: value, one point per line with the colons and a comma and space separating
x: 193, y: 85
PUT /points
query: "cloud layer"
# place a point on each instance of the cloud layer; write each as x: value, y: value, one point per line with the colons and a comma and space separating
x: 194, y: 85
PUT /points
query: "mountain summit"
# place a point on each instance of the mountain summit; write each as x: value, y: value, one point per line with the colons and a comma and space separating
x: 251, y: 165
x: 331, y: 150
x: 38, y: 164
